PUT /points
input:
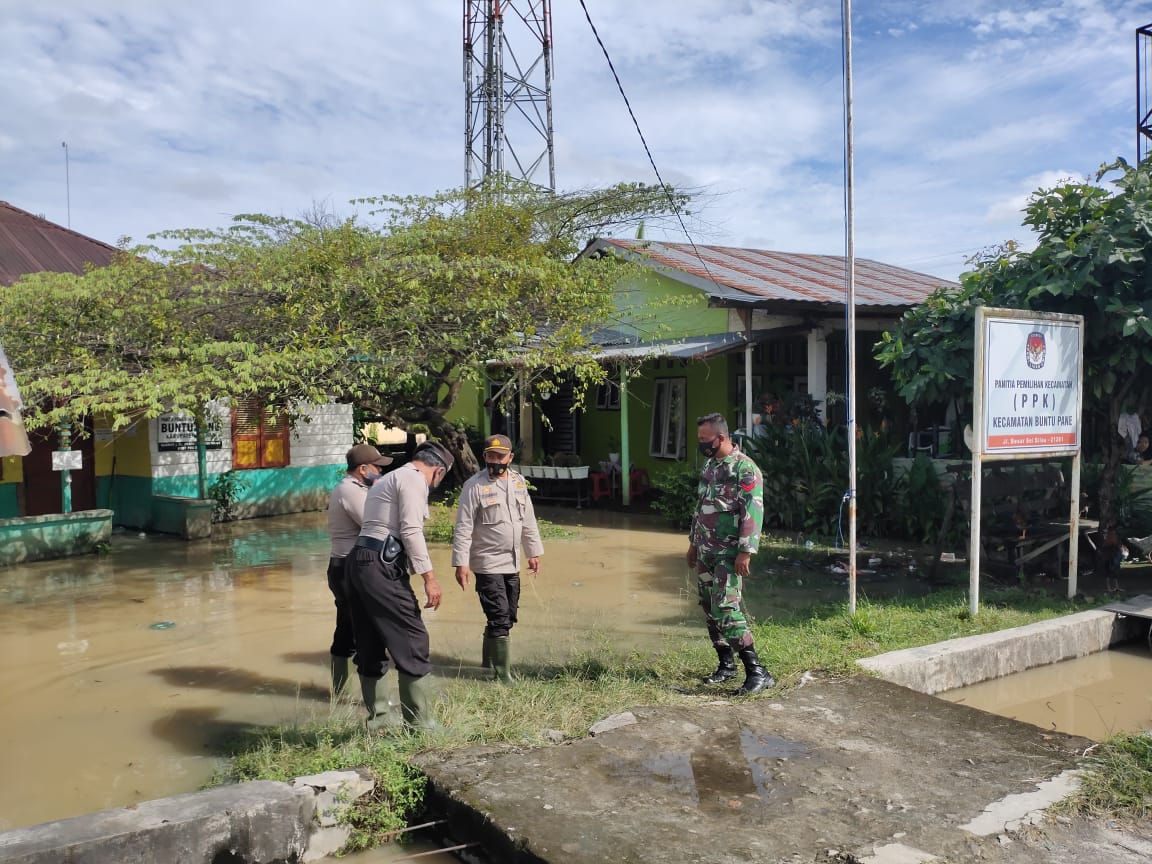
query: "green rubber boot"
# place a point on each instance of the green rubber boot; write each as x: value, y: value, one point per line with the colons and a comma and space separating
x: 486, y: 655
x: 416, y: 696
x: 500, y: 662
x: 339, y: 674
x: 382, y: 712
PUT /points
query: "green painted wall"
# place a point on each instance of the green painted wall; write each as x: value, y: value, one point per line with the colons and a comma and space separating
x: 267, y: 492
x: 9, y: 505
x: 706, y: 391
x: 657, y: 307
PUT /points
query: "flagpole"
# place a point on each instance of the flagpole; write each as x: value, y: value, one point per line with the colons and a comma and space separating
x: 850, y: 303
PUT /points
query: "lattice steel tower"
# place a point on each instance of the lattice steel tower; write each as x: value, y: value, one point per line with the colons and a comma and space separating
x: 508, y: 90
x: 1143, y: 96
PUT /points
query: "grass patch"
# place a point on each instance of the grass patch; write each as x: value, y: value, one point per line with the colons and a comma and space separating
x: 1117, y: 780
x: 594, y: 680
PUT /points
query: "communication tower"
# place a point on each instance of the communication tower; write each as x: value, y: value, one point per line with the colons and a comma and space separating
x: 1143, y: 94
x: 508, y: 90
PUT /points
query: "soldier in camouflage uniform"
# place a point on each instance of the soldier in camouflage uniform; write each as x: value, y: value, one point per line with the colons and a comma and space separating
x: 725, y: 534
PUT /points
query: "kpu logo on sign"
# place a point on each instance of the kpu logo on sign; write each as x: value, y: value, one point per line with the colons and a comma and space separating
x: 1034, y: 350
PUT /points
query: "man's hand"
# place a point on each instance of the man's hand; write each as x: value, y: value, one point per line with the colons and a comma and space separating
x: 743, y: 563
x: 534, y: 566
x: 431, y: 590
x: 691, y: 556
x: 463, y: 574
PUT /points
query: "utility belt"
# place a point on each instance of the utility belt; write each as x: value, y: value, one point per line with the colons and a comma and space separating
x: 390, y: 549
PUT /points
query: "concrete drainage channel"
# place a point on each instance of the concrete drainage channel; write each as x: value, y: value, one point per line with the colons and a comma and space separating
x: 261, y: 822
x: 282, y: 823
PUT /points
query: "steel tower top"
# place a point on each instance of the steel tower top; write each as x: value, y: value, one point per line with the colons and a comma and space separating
x: 508, y: 90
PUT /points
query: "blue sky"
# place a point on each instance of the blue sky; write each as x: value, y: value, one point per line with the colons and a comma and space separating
x: 182, y: 115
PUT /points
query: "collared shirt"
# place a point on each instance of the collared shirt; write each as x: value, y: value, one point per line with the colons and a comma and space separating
x: 397, y: 506
x: 493, y: 521
x: 346, y: 514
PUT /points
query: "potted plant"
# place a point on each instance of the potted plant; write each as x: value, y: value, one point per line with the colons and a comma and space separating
x: 614, y: 449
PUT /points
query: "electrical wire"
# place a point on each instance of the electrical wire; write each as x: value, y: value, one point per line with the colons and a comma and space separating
x: 647, y: 150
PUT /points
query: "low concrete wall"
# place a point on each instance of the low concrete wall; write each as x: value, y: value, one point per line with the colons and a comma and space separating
x: 247, y: 823
x: 972, y: 659
x: 57, y: 535
x: 190, y: 518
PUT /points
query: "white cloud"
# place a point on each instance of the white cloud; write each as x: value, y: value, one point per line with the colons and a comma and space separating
x: 182, y: 114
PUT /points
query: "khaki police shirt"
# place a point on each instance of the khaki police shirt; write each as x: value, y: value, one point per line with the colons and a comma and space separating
x: 346, y: 514
x: 397, y: 505
x: 494, y: 519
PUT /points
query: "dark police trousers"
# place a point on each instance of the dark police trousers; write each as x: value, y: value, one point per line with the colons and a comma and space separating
x: 499, y: 595
x: 343, y: 637
x: 385, y: 615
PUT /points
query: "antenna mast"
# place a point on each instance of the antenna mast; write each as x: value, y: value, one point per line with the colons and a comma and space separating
x: 508, y: 90
x: 1143, y: 94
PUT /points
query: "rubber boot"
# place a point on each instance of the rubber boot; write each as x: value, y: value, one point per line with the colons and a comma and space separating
x: 501, y: 665
x: 339, y: 674
x: 416, y: 701
x: 382, y: 712
x: 726, y: 670
x: 486, y: 655
x: 756, y: 678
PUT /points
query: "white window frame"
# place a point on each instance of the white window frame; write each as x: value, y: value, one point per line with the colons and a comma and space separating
x: 666, y: 440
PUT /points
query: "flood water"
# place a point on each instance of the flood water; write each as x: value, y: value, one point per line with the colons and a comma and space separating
x: 1095, y: 696
x: 121, y: 674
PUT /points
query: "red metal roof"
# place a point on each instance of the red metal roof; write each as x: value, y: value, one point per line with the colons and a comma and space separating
x: 29, y: 244
x: 759, y: 277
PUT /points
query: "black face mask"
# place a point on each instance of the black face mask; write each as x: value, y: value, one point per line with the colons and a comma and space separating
x: 709, y: 448
x: 496, y: 470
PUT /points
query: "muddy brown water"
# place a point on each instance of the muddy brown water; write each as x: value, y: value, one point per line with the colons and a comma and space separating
x: 122, y: 674
x: 1095, y: 696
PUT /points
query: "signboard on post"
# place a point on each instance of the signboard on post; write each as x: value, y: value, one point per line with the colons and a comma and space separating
x: 67, y: 460
x: 177, y: 432
x: 1027, y: 398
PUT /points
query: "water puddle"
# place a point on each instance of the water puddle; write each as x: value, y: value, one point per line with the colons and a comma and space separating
x: 1096, y: 696
x: 122, y: 675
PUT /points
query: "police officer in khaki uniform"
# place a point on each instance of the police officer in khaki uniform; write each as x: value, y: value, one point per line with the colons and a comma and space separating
x: 345, y: 516
x: 385, y: 611
x: 494, y: 520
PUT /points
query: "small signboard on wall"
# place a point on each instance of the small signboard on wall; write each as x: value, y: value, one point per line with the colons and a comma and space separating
x: 177, y: 432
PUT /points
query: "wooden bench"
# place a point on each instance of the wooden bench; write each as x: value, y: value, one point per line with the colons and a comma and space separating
x: 1024, y: 513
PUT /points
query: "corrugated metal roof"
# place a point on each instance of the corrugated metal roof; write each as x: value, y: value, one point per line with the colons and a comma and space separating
x: 757, y: 277
x: 29, y: 244
x: 685, y: 348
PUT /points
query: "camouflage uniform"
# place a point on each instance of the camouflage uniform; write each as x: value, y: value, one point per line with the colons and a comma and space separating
x: 729, y: 516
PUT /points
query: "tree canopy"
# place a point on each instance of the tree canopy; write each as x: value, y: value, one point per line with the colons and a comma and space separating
x: 1092, y: 254
x: 392, y: 310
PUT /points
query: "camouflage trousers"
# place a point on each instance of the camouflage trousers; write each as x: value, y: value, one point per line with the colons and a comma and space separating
x: 720, y: 589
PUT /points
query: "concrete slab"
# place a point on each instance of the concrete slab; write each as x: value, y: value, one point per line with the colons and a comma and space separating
x: 849, y: 770
x: 972, y: 659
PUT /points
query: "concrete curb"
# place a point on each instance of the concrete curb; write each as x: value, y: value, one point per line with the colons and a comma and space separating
x: 261, y: 822
x: 959, y: 662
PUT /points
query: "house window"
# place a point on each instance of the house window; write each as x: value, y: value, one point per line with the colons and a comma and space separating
x: 608, y: 396
x: 259, y: 435
x: 669, y: 424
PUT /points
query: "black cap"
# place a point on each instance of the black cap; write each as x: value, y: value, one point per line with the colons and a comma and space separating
x: 442, y: 452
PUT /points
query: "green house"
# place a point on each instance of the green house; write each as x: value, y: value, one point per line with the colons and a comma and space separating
x: 714, y: 328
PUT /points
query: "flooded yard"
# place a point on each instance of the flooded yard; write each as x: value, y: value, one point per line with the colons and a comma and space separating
x: 122, y: 673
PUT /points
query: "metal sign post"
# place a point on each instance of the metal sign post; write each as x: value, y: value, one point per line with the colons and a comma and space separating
x: 1026, y: 404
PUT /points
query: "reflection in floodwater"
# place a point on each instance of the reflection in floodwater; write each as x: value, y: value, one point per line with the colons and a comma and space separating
x: 124, y: 675
x: 712, y: 777
x: 1097, y: 696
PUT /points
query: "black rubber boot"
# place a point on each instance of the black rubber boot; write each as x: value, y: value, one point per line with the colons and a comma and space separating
x: 727, y: 668
x: 756, y: 678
